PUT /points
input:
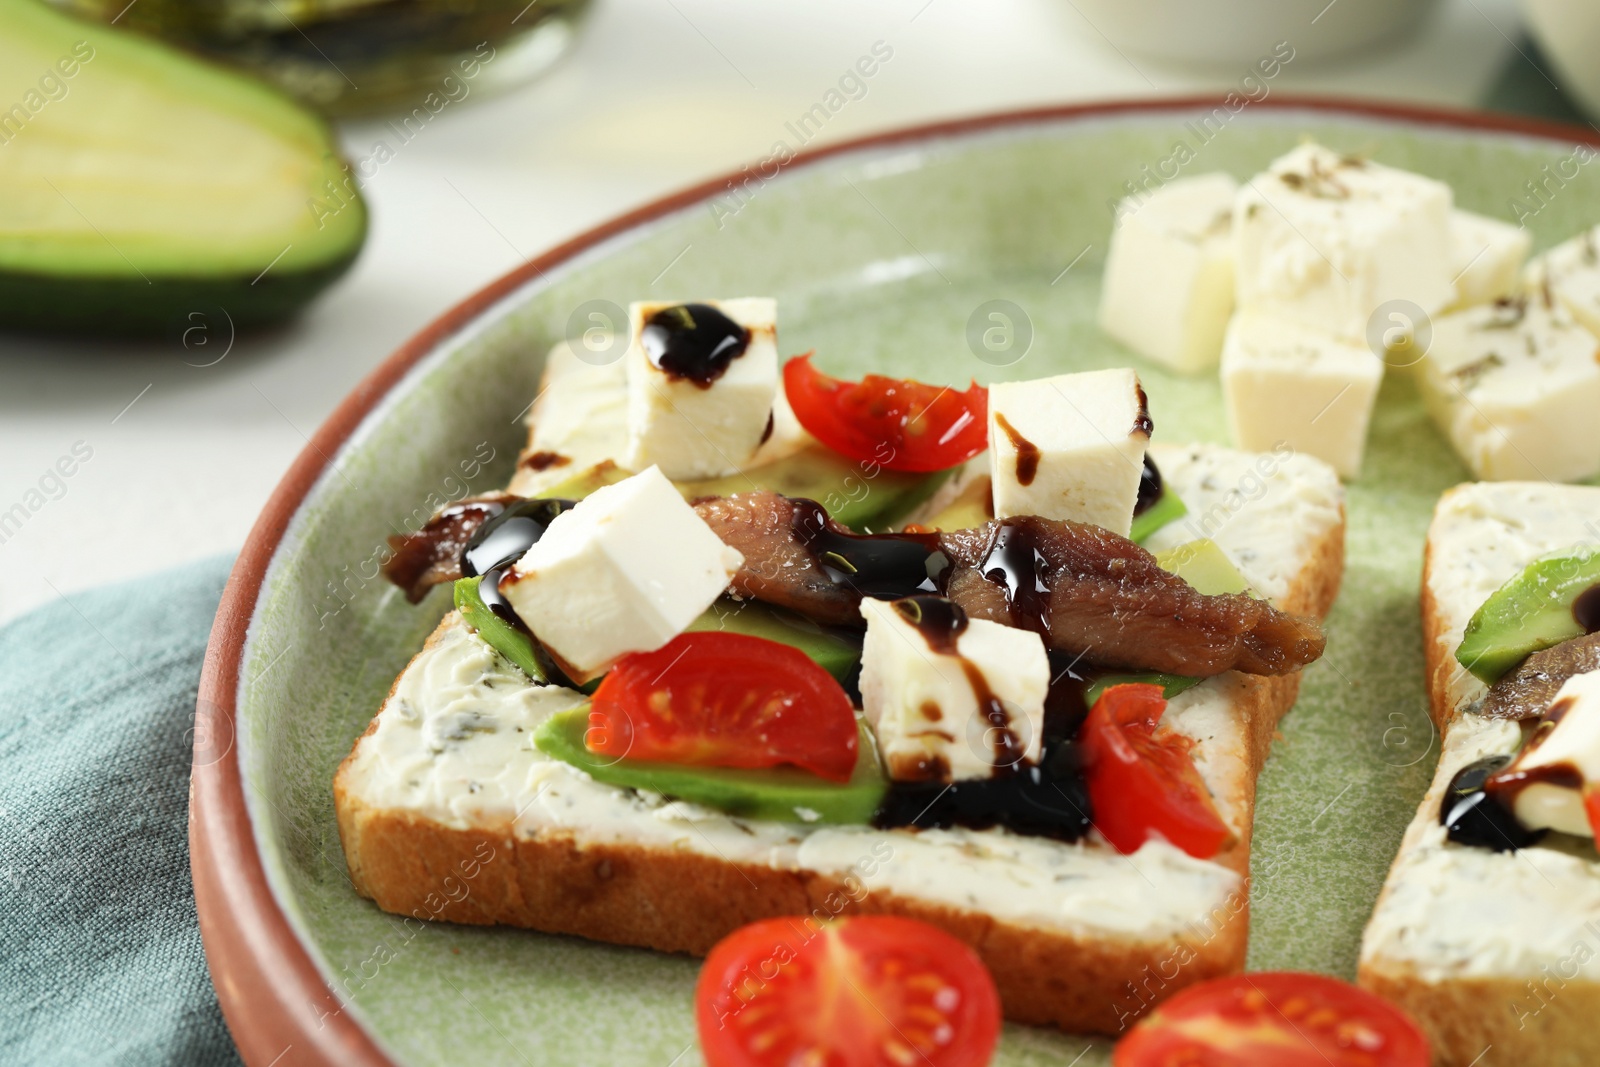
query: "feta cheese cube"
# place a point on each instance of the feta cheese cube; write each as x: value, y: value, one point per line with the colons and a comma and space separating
x: 691, y: 430
x: 1286, y: 383
x: 933, y: 721
x: 578, y: 420
x: 1069, y: 447
x: 1515, y: 387
x: 625, y: 571
x: 1325, y: 239
x: 1574, y: 741
x: 1571, y: 270
x: 1489, y: 256
x: 1168, y: 285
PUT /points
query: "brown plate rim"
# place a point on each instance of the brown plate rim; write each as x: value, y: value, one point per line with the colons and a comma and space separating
x: 277, y: 1005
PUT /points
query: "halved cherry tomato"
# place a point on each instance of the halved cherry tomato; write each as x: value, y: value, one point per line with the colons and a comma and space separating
x: 870, y: 991
x: 725, y: 700
x: 1274, y: 1019
x: 1141, y: 781
x: 896, y: 423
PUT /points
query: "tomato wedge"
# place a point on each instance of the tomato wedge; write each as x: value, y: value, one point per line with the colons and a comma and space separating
x: 1142, y: 781
x: 725, y: 700
x: 1274, y: 1019
x: 869, y: 991
x: 895, y: 423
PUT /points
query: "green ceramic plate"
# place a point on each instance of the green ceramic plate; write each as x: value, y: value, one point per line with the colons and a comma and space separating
x: 884, y: 256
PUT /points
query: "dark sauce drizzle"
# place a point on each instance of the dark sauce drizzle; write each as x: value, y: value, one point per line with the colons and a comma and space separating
x: 693, y: 342
x: 1048, y: 799
x: 1142, y: 422
x: 884, y: 566
x: 1475, y: 814
x: 1016, y: 564
x: 1027, y: 451
x: 500, y: 542
x: 1586, y: 609
x: 1149, y: 487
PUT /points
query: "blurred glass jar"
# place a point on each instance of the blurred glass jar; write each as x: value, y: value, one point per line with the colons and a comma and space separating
x: 360, y: 56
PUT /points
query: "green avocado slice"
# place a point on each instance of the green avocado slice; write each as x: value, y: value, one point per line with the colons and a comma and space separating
x: 1167, y: 508
x: 514, y: 644
x: 785, y: 794
x: 853, y: 497
x: 837, y: 651
x: 143, y: 191
x: 1538, y: 609
x: 1204, y: 565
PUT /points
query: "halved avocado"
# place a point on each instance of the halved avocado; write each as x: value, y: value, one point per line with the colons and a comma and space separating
x: 786, y: 794
x: 1551, y: 601
x: 850, y: 495
x: 143, y: 191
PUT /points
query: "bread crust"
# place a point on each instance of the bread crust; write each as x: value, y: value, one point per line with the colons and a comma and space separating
x: 678, y: 901
x: 1484, y: 1021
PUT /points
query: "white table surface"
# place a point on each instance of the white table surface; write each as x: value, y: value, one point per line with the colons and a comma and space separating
x: 184, y: 457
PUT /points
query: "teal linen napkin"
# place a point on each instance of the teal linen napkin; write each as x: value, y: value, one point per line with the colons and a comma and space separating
x: 100, y: 959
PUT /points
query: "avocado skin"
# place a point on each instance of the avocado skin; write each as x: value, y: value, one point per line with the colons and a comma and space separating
x: 164, y: 307
x: 1530, y: 613
x: 769, y: 793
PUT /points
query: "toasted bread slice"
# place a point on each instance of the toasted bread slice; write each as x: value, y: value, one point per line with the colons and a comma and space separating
x: 1497, y: 954
x: 445, y: 781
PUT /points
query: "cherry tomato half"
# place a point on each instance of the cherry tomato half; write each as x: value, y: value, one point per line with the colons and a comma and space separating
x: 870, y: 991
x: 893, y: 422
x: 725, y: 700
x: 1141, y: 780
x: 1274, y: 1019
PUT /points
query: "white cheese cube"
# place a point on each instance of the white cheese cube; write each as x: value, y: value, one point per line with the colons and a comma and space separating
x: 1489, y: 257
x: 932, y: 722
x: 1069, y: 447
x: 1168, y: 285
x: 625, y: 571
x: 694, y: 431
x: 1326, y: 239
x: 1284, y: 383
x: 579, y: 419
x: 1515, y: 387
x: 1573, y: 742
x: 1571, y: 270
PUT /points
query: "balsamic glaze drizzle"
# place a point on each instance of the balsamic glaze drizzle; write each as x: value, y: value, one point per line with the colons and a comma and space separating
x: 1047, y: 799
x: 500, y: 542
x: 693, y: 342
x: 1586, y: 609
x: 1475, y: 815
x: 883, y: 566
x: 1015, y: 563
x: 1027, y: 451
x: 1149, y: 487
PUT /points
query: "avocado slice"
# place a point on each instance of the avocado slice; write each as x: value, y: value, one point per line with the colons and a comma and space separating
x: 143, y: 191
x: 1551, y: 601
x: 515, y: 645
x: 1168, y: 507
x: 852, y: 497
x: 836, y: 651
x: 786, y: 794
x: 1204, y: 565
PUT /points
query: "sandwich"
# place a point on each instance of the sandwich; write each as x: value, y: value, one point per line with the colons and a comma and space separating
x: 742, y: 640
x: 1488, y: 927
